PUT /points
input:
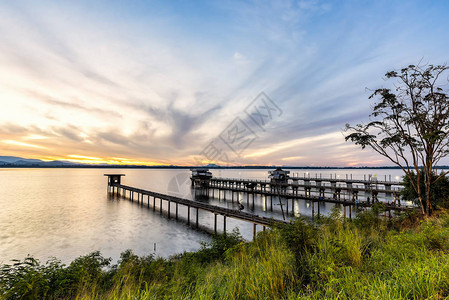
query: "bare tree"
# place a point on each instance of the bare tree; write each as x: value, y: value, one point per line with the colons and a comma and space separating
x: 409, y: 125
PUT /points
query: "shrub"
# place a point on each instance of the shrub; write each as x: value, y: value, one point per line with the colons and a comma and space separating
x: 439, y: 192
x: 23, y: 279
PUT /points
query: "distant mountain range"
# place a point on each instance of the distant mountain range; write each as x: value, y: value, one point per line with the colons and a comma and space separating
x: 13, y: 161
x: 19, y: 162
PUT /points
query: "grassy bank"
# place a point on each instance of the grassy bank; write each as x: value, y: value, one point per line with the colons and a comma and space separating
x: 365, y: 258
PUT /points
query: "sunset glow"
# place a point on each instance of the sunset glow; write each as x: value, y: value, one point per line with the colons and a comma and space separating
x: 156, y: 83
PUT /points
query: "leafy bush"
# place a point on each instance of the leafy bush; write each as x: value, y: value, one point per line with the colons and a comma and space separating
x: 439, y: 191
x: 335, y: 258
x: 217, y: 247
x: 24, y: 279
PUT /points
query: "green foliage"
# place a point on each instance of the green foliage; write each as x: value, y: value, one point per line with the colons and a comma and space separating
x: 369, y: 219
x: 215, y: 249
x: 23, y: 280
x: 29, y: 279
x: 439, y: 191
x: 410, y: 121
x: 335, y: 258
x: 219, y: 244
x: 299, y: 236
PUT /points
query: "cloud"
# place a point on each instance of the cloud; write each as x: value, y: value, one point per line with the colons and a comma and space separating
x: 150, y: 82
x: 238, y: 56
x: 69, y: 132
x: 22, y: 144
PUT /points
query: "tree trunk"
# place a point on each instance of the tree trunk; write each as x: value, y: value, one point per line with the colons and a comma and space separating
x: 421, y: 201
x: 428, y: 178
x: 418, y: 191
x: 428, y: 185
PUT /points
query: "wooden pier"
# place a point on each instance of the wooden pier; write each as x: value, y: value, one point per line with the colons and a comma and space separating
x: 289, y: 197
x: 313, y: 189
x: 279, y: 187
x: 150, y: 198
x: 320, y: 186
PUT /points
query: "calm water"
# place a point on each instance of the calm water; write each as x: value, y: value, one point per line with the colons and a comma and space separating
x: 66, y: 213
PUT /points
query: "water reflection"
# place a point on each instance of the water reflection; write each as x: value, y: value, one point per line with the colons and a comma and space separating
x: 67, y: 212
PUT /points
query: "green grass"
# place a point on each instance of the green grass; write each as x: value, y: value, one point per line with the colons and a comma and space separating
x: 366, y: 258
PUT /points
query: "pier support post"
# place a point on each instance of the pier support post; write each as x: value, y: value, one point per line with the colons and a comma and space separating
x: 188, y: 215
x: 176, y: 212
x: 322, y: 191
x: 388, y: 187
x: 254, y: 230
x: 154, y: 203
x: 313, y: 210
x: 160, y: 206
x: 293, y: 206
x: 224, y: 224
x: 197, y: 210
x: 169, y: 209
x: 215, y: 223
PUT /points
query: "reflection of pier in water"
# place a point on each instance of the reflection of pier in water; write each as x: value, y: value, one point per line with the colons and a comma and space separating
x: 288, y: 192
x: 346, y: 192
x: 151, y: 198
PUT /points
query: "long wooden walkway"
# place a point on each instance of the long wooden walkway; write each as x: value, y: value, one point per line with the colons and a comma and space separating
x: 116, y: 188
x: 319, y: 183
x: 290, y: 196
x: 373, y: 180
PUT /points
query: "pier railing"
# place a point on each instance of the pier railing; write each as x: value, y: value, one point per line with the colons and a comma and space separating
x: 275, y: 190
x: 139, y: 194
x: 348, y: 185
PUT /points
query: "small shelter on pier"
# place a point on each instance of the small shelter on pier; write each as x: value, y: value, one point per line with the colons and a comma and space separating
x: 279, y: 175
x: 200, y: 177
x: 114, y: 178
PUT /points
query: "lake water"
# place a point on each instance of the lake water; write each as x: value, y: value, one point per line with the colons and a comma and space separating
x: 66, y: 213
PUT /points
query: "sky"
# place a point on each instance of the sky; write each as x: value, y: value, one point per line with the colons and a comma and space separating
x: 193, y: 82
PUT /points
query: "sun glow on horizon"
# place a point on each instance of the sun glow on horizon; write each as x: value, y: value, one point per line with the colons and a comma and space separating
x: 82, y: 159
x: 77, y: 85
